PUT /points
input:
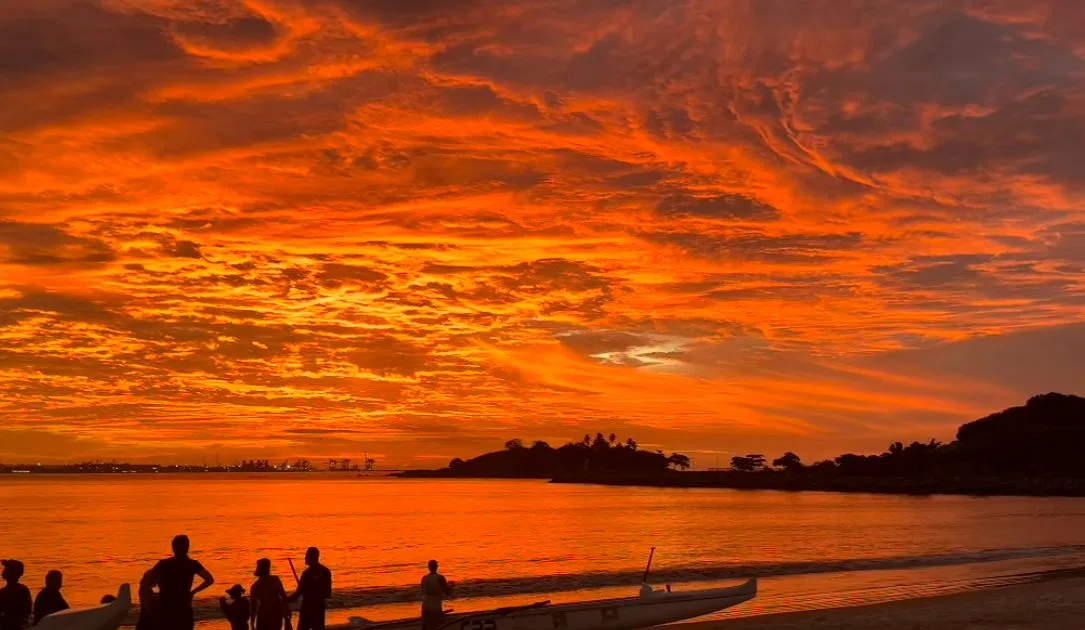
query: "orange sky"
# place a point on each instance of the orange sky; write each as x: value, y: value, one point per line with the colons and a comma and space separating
x: 417, y: 229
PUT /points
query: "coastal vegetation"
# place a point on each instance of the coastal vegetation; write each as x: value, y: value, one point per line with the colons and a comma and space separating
x: 542, y: 461
x: 1034, y: 449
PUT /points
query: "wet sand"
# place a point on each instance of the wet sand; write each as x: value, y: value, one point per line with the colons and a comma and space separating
x: 1057, y: 604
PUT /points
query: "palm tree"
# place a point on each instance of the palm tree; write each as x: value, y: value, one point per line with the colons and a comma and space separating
x: 631, y: 443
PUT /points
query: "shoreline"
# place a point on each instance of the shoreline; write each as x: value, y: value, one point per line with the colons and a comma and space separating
x: 1056, y: 603
x: 787, y: 482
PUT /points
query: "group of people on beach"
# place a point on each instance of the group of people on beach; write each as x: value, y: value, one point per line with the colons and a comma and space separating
x: 267, y: 608
x: 16, y: 607
x: 170, y: 606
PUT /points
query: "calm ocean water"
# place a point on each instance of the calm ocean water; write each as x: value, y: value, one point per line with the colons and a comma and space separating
x: 519, y: 541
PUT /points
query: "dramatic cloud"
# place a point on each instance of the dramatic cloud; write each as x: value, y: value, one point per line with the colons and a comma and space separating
x: 418, y: 229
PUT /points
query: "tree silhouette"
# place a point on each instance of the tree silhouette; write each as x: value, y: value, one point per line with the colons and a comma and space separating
x: 788, y: 461
x: 543, y: 460
x: 612, y: 439
x: 749, y: 463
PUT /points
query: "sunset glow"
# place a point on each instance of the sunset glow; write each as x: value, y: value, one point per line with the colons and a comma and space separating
x: 417, y: 229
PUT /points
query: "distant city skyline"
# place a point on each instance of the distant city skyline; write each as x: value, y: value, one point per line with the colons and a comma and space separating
x: 419, y: 230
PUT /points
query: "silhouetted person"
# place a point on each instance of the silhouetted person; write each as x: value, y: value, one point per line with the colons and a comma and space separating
x: 148, y: 604
x: 236, y: 609
x: 314, y: 589
x: 174, y: 577
x: 49, y: 599
x: 268, y: 598
x: 15, y: 604
x: 434, y: 590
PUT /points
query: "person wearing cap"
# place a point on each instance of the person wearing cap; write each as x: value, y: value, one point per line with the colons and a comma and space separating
x: 15, y: 604
x: 314, y: 589
x: 174, y: 577
x: 49, y: 599
x: 268, y: 598
x: 236, y: 609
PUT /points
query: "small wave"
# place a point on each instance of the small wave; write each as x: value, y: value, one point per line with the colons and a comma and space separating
x: 562, y: 583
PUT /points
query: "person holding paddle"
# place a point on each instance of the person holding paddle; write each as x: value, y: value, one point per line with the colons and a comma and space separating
x: 314, y: 590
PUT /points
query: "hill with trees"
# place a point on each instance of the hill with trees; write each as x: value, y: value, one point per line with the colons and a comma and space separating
x: 542, y: 461
x: 1034, y: 449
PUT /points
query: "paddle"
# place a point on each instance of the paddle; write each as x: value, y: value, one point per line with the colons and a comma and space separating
x: 289, y: 625
x: 647, y: 569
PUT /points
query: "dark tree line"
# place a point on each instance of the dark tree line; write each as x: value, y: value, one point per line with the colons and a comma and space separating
x: 1043, y: 438
x: 601, y: 453
x: 1033, y: 448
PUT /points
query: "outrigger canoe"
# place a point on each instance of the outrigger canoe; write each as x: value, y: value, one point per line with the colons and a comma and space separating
x: 105, y: 617
x: 650, y: 608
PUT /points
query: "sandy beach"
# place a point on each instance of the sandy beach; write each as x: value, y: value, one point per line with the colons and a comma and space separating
x: 1048, y: 605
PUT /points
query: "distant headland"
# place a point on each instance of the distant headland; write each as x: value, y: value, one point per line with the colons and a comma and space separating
x: 1035, y: 449
x: 246, y: 466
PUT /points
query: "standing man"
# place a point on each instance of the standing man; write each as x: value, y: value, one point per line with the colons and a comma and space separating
x: 49, y: 599
x: 314, y: 589
x: 15, y: 604
x: 435, y: 589
x: 174, y: 577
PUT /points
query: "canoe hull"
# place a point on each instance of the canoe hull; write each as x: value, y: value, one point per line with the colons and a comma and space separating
x: 105, y: 617
x: 613, y: 614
